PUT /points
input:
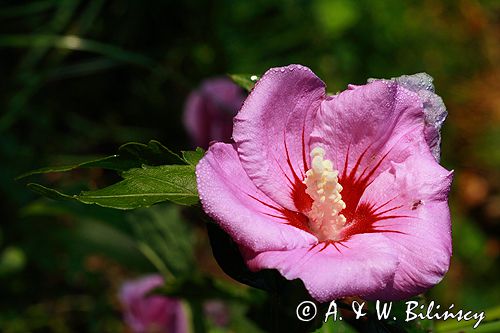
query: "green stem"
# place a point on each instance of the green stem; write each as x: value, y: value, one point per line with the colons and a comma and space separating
x: 197, y: 316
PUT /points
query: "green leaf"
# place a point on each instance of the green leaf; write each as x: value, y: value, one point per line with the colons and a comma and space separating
x: 114, y: 162
x: 49, y: 192
x: 487, y: 327
x: 93, y: 230
x: 33, y: 7
x: 338, y: 326
x: 246, y: 81
x: 491, y: 323
x: 141, y: 187
x: 200, y: 287
x: 130, y: 155
x: 147, y: 186
x: 70, y: 42
x: 100, y: 236
x: 162, y: 234
x: 194, y: 156
x: 154, y: 153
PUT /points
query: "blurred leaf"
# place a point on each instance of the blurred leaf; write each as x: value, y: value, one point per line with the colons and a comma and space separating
x: 91, y: 230
x: 486, y: 147
x: 71, y: 42
x: 491, y: 323
x: 165, y: 238
x: 239, y: 321
x: 34, y: 7
x: 488, y: 327
x: 338, y: 326
x: 473, y: 241
x: 141, y: 187
x: 114, y: 162
x: 246, y: 81
x: 51, y: 208
x: 130, y: 155
x: 12, y: 260
x: 336, y: 16
x: 194, y: 156
x: 83, y: 68
x: 95, y: 236
x: 197, y: 287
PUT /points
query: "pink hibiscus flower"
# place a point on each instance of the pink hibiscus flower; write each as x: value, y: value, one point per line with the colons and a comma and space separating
x: 209, y: 111
x: 343, y: 192
x: 151, y: 313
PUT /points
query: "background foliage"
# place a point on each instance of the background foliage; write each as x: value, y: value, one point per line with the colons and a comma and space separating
x: 79, y: 78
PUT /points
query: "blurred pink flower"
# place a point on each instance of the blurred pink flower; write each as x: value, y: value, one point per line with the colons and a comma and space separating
x: 344, y: 192
x: 218, y: 312
x: 209, y: 111
x: 151, y: 314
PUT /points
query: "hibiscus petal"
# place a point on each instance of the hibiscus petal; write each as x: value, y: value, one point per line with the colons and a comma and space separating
x: 419, y: 186
x: 229, y: 196
x: 363, y: 264
x: 271, y: 127
x: 370, y: 126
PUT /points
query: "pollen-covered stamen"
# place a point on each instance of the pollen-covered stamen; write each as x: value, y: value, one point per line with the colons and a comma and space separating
x: 325, y: 220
